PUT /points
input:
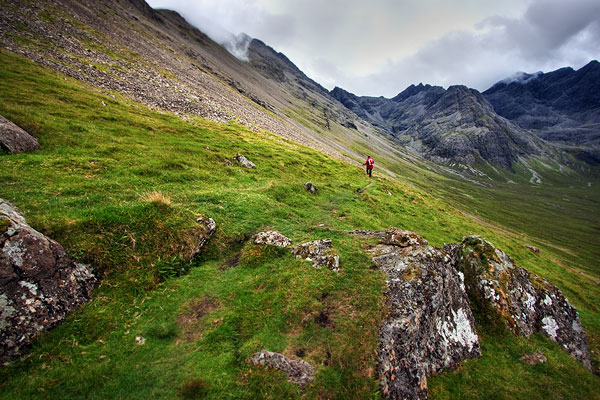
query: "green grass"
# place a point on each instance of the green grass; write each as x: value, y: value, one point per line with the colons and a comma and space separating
x: 85, y: 188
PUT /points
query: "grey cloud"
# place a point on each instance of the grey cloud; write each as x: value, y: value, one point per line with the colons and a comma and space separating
x: 549, y: 35
x: 382, y: 46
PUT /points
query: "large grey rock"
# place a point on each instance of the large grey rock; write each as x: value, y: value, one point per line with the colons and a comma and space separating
x: 526, y: 302
x: 244, y: 161
x: 430, y: 325
x: 39, y: 284
x: 320, y: 252
x: 14, y: 139
x: 297, y: 371
x: 273, y: 238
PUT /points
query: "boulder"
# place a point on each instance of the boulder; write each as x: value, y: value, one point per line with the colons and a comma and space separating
x: 525, y: 302
x: 310, y: 187
x: 273, y: 238
x: 14, y: 139
x: 430, y: 326
x: 39, y: 284
x: 244, y: 161
x: 320, y: 252
x: 297, y: 371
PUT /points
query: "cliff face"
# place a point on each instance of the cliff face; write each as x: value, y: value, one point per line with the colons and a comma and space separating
x: 561, y: 106
x: 454, y: 125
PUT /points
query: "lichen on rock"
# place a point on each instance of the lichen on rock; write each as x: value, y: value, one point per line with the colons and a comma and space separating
x: 273, y: 238
x: 297, y: 371
x: 524, y: 301
x: 39, y: 284
x: 320, y: 252
x: 430, y: 326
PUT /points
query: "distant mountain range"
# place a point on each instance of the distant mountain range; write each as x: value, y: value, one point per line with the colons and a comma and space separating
x: 498, y: 126
x: 457, y: 124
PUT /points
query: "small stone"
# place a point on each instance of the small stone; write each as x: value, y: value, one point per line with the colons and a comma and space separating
x: 297, y: 371
x: 244, y: 161
x: 228, y: 163
x: 403, y: 238
x: 140, y: 340
x: 534, y: 358
x: 310, y: 187
x: 320, y: 252
x: 533, y: 248
x: 273, y: 238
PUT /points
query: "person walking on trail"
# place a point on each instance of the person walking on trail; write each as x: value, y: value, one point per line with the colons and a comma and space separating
x: 369, y: 163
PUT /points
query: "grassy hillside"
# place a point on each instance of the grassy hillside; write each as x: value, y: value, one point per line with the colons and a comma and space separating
x: 90, y: 187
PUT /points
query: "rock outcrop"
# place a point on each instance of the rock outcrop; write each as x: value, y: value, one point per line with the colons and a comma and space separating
x: 14, y: 139
x: 39, y: 284
x: 209, y: 227
x: 526, y: 302
x: 430, y: 326
x: 320, y: 252
x: 297, y: 371
x: 273, y: 238
x: 244, y: 161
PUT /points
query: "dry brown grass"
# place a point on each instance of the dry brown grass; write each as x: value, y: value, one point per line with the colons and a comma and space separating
x: 156, y: 197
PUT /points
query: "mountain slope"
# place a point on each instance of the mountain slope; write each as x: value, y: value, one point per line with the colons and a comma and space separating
x: 454, y: 125
x: 157, y: 58
x: 561, y: 106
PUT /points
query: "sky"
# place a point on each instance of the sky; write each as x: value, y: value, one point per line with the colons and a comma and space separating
x: 380, y: 47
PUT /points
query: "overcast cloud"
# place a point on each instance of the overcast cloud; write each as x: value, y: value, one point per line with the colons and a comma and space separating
x: 380, y: 47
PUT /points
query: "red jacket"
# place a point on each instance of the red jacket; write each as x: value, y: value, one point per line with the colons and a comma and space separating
x: 369, y: 163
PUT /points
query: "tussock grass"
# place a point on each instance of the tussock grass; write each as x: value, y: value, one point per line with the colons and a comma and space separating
x: 203, y: 318
x: 156, y: 197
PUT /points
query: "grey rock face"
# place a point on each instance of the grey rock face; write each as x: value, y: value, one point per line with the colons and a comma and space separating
x: 14, y: 139
x: 273, y: 238
x: 457, y: 124
x: 310, y: 187
x: 526, y: 302
x: 430, y: 326
x: 244, y: 161
x: 561, y: 105
x: 320, y: 252
x: 39, y: 284
x: 297, y: 371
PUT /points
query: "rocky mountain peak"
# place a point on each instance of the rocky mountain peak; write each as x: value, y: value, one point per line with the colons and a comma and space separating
x: 561, y: 105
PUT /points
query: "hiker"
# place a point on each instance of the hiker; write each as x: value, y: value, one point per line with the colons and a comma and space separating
x: 369, y: 163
